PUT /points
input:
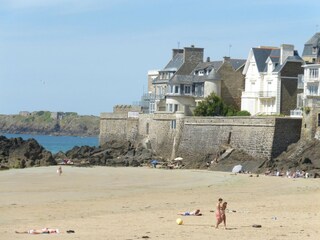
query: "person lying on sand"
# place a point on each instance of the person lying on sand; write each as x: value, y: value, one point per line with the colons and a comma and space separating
x: 42, y: 231
x: 192, y: 213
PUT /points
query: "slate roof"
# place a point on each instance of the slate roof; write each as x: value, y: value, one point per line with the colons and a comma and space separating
x: 175, y: 63
x: 189, y: 79
x: 311, y: 43
x: 261, y: 55
x: 237, y: 63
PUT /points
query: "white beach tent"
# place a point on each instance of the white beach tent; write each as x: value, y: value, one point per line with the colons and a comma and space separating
x: 237, y: 168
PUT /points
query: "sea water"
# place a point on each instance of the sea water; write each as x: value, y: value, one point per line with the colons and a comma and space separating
x: 55, y: 144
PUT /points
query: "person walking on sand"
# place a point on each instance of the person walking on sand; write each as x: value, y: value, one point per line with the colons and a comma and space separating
x: 59, y: 170
x: 218, y: 212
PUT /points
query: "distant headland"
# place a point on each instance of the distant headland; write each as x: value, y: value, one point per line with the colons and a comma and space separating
x: 50, y: 123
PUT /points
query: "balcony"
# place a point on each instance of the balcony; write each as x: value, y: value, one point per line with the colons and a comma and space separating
x: 152, y: 96
x: 259, y: 94
x: 311, y: 79
x: 267, y: 94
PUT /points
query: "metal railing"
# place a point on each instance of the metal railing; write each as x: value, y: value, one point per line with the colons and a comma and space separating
x: 259, y: 94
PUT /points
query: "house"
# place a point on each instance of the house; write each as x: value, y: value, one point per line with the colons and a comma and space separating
x: 271, y: 80
x: 311, y: 93
x: 311, y: 50
x: 187, y: 80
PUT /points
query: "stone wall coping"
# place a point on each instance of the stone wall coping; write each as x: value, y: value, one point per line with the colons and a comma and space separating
x: 113, y: 116
x: 230, y: 124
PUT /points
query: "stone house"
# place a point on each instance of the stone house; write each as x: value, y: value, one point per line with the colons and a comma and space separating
x: 187, y: 79
x: 271, y: 80
x: 311, y: 93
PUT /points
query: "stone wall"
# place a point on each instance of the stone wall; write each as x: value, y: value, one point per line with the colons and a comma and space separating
x: 286, y: 132
x: 173, y: 134
x: 311, y: 118
x: 205, y: 135
x: 289, y: 83
x: 232, y: 84
x: 117, y: 126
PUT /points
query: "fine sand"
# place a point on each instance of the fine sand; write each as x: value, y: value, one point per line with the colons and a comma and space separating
x: 142, y: 203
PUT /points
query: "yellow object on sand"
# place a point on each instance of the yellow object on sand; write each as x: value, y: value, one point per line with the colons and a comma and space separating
x: 179, y: 221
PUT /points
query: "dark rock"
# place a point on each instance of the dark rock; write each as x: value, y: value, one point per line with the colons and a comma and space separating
x: 19, y: 153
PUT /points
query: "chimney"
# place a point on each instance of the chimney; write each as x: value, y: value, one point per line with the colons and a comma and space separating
x: 176, y: 51
x: 286, y: 50
x: 226, y: 59
x: 193, y: 55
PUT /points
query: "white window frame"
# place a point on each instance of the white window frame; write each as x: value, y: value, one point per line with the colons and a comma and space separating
x: 187, y: 90
x: 173, y: 124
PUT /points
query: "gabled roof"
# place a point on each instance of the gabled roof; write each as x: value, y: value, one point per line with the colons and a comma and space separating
x: 261, y: 55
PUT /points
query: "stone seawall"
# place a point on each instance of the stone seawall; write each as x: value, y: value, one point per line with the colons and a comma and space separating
x: 172, y: 134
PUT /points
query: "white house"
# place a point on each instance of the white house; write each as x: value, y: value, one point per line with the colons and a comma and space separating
x: 271, y: 77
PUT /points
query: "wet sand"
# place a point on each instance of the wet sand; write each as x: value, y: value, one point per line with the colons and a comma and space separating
x: 142, y: 203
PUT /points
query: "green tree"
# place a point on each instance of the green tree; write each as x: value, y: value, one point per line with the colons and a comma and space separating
x: 214, y: 106
x: 211, y: 106
x: 243, y: 113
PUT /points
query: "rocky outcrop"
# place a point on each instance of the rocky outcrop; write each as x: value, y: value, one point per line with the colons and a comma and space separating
x: 303, y: 155
x: 19, y: 153
x: 113, y: 153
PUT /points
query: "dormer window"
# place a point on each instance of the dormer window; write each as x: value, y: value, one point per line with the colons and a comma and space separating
x: 314, y: 50
x: 201, y: 72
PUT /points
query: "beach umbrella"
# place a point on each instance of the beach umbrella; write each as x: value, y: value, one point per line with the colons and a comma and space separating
x: 237, y: 168
x: 178, y: 159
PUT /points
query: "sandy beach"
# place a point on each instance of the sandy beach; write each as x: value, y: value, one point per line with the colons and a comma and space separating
x: 142, y: 203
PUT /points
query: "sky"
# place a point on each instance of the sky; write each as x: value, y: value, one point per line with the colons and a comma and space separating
x: 86, y: 56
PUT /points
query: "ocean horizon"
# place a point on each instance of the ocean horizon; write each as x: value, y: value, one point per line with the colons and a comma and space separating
x: 54, y: 144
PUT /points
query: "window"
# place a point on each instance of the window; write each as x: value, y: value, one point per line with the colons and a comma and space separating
x: 300, y: 100
x: 173, y: 124
x: 314, y: 73
x: 152, y: 107
x: 201, y: 72
x: 187, y: 89
x: 312, y: 89
x: 176, y: 107
x: 176, y: 89
x: 318, y: 119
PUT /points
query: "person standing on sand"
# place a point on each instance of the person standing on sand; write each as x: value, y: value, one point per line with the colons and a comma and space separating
x: 59, y: 170
x: 218, y: 212
x: 223, y: 214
